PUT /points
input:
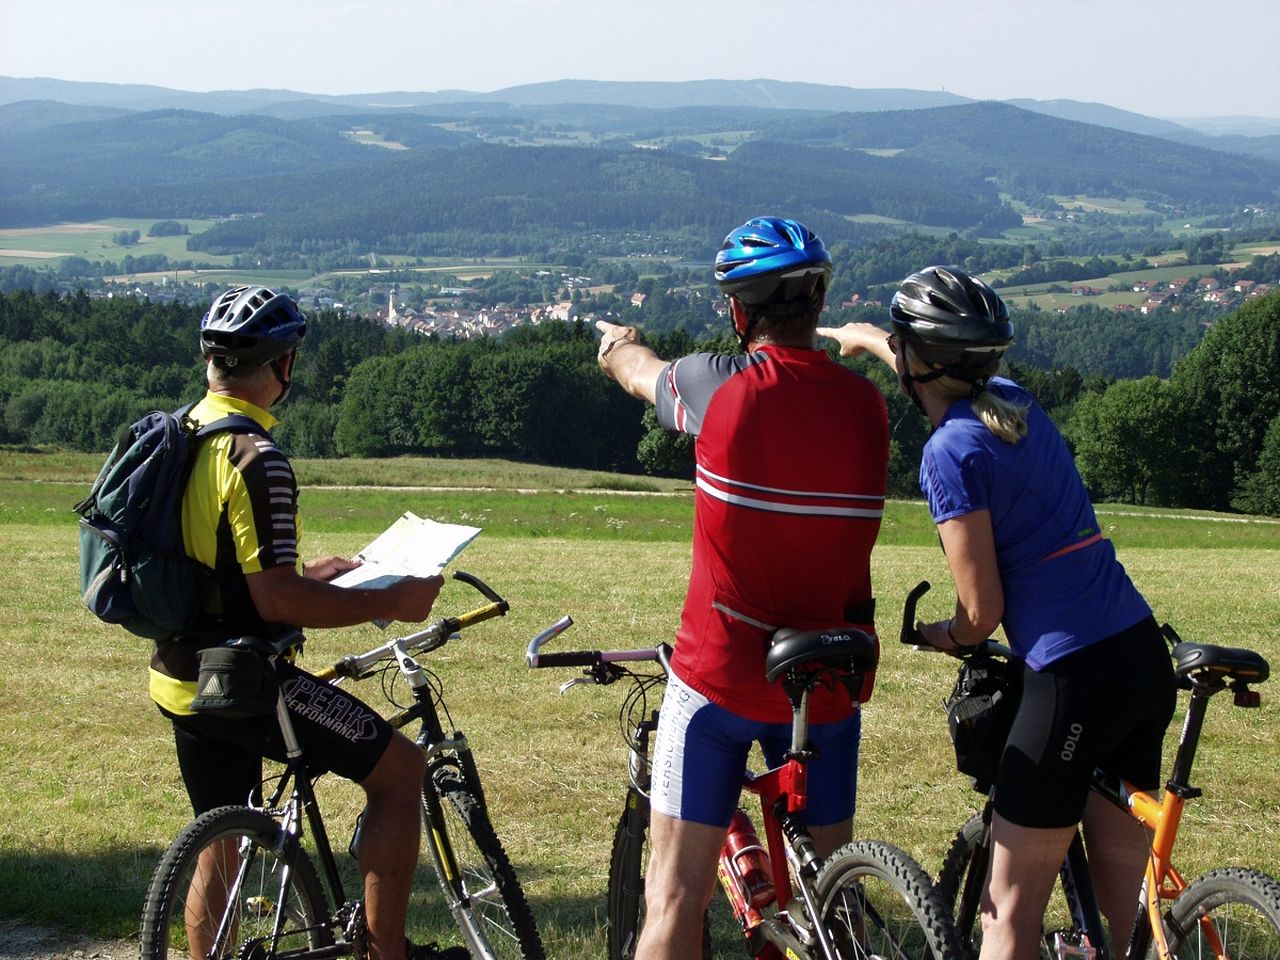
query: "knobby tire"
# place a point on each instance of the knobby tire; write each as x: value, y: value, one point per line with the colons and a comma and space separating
x: 627, y: 858
x: 952, y: 879
x: 234, y: 841
x: 626, y: 886
x: 1244, y: 907
x: 484, y: 894
x: 875, y: 901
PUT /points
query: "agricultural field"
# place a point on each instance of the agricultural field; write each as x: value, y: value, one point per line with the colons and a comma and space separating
x: 91, y: 790
x: 38, y: 246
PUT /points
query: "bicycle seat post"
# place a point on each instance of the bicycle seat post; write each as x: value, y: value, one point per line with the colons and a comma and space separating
x: 799, y: 720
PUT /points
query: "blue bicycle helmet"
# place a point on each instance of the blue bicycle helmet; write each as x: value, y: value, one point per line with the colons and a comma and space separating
x: 760, y: 255
x: 252, y: 325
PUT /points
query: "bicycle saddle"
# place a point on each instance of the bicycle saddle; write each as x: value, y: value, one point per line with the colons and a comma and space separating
x: 1234, y: 662
x: 844, y: 647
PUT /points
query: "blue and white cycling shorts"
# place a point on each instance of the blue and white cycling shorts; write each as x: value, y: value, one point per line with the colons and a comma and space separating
x: 701, y: 749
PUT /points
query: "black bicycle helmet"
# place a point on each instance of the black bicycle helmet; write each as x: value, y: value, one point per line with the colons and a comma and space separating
x: 252, y: 325
x: 951, y: 319
x: 760, y: 255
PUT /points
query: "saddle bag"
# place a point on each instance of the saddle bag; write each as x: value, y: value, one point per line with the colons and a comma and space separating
x: 980, y: 712
x: 235, y: 682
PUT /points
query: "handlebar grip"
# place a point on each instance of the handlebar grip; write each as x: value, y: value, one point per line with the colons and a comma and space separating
x: 498, y: 608
x: 572, y: 658
x: 910, y: 635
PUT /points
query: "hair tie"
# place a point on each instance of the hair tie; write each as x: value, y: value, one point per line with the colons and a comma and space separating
x: 976, y: 388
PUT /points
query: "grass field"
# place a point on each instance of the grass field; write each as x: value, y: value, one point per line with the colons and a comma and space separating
x: 91, y: 794
x: 34, y: 246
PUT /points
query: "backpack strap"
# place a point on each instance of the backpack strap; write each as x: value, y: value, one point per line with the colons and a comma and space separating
x: 238, y: 422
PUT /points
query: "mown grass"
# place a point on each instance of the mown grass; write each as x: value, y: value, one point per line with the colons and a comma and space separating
x: 91, y: 791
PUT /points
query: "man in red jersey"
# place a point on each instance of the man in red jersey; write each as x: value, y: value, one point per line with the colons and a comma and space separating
x: 792, y: 460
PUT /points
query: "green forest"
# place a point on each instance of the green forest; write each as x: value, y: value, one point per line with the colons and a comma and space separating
x: 501, y: 180
x: 73, y: 370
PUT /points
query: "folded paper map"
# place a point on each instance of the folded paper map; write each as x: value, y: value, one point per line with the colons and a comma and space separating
x: 410, y: 547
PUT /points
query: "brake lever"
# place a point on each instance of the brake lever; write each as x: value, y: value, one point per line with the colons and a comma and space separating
x: 564, y: 687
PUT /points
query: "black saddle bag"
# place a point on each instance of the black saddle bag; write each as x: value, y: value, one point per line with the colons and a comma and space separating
x: 235, y: 682
x: 980, y: 713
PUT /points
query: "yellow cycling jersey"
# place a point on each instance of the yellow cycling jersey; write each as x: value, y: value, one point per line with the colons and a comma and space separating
x: 239, y: 516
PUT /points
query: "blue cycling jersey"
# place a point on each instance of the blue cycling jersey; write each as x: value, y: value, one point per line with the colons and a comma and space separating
x: 1064, y: 589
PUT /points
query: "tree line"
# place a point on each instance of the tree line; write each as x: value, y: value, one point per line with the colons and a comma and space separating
x: 73, y: 370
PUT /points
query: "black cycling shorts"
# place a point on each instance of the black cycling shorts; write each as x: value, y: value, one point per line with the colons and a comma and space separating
x: 1106, y: 706
x: 221, y: 759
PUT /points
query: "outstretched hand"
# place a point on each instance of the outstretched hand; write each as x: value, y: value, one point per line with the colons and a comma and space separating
x: 612, y: 334
x: 858, y: 338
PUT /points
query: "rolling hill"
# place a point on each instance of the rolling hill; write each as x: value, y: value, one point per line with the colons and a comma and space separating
x: 483, y: 175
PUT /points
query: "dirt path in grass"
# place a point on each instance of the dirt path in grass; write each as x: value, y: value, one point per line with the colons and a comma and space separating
x: 18, y: 941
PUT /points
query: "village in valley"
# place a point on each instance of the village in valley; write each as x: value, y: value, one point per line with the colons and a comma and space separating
x: 1167, y: 294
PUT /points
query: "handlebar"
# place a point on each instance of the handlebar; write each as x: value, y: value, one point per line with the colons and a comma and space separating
x: 429, y: 638
x: 909, y: 634
x: 912, y: 637
x: 583, y: 658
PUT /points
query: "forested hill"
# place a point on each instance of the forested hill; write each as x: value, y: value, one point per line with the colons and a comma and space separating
x: 1031, y: 154
x: 453, y: 189
x: 73, y: 370
x: 759, y: 93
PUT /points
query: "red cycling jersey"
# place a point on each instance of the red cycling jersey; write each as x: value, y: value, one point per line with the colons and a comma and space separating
x: 792, y: 463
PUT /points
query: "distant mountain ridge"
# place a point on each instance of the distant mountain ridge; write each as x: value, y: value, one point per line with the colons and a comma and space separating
x: 757, y: 93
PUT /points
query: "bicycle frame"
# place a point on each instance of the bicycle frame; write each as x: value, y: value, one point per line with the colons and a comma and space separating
x: 291, y: 804
x: 783, y: 793
x: 1161, y: 817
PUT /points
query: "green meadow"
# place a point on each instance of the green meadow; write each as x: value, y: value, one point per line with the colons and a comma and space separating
x: 91, y: 795
x: 94, y: 241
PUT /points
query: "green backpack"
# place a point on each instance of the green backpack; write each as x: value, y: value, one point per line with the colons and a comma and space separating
x: 134, y: 569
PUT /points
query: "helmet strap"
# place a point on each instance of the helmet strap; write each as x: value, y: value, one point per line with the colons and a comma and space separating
x: 742, y: 323
x: 909, y: 381
x: 277, y: 367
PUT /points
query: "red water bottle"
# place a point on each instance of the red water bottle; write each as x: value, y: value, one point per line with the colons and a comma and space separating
x: 744, y: 858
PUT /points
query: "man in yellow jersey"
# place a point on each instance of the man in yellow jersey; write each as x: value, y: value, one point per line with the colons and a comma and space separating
x: 240, y: 518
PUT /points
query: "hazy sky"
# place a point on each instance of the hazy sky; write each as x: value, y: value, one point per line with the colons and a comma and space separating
x: 1166, y: 58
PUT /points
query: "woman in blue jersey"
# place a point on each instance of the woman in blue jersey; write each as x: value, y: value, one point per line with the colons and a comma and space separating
x: 1026, y: 553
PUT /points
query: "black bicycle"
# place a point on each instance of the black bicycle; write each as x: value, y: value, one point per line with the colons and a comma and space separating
x: 237, y: 883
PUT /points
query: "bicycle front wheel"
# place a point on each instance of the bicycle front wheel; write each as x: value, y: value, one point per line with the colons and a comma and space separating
x: 875, y: 901
x: 477, y: 878
x: 1238, y: 908
x: 226, y: 886
x: 628, y: 864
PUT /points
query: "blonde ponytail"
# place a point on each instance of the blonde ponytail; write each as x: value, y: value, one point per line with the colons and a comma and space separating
x: 1006, y: 419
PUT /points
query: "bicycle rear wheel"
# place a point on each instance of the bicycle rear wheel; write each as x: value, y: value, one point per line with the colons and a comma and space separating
x: 1240, y: 908
x: 223, y: 885
x: 477, y: 878
x: 875, y: 901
